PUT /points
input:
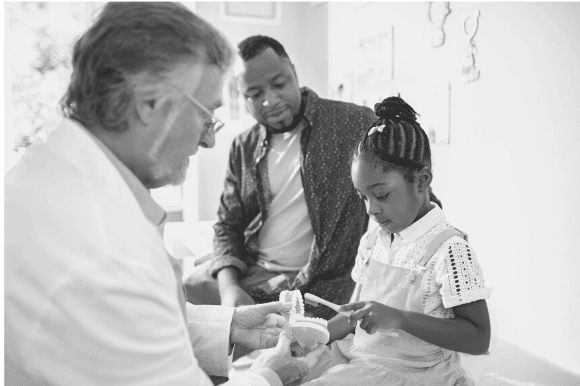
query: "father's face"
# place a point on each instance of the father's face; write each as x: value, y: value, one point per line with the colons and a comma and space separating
x: 270, y: 88
x: 178, y: 126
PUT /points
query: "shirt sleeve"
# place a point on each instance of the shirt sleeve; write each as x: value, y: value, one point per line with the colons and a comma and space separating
x: 209, y: 331
x: 113, y: 324
x: 459, y: 274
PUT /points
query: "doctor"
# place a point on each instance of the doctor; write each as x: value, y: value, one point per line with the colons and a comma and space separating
x: 90, y: 294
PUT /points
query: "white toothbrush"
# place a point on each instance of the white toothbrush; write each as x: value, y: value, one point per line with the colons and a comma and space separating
x: 315, y: 300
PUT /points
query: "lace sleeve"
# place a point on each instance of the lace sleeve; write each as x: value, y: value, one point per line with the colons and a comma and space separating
x: 459, y: 274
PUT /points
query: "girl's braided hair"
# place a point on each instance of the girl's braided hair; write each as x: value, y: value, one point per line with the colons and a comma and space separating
x: 396, y: 139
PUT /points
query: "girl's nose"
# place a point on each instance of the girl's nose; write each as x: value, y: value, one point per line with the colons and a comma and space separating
x: 372, y: 209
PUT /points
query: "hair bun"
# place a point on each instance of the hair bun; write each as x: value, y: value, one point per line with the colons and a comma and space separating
x: 395, y: 108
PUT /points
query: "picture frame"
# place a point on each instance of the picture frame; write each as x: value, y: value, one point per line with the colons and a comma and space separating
x: 374, y: 66
x: 265, y: 13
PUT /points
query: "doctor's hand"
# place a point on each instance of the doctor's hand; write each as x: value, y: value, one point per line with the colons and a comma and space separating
x: 290, y: 370
x: 258, y: 326
x: 374, y: 316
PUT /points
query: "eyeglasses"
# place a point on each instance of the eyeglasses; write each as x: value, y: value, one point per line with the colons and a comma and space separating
x: 216, y: 124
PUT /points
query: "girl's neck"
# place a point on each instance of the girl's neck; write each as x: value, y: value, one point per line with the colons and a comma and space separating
x: 425, y: 208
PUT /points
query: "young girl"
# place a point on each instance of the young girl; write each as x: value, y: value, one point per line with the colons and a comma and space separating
x: 420, y: 290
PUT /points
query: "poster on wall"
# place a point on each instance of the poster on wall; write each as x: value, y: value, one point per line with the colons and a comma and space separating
x: 374, y: 65
x: 265, y: 12
x: 431, y: 102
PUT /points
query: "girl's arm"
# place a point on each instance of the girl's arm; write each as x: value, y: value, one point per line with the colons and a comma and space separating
x: 338, y: 328
x: 468, y: 332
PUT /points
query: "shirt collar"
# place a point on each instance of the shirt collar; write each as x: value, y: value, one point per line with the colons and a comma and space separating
x: 423, y: 225
x: 311, y: 104
x: 151, y: 209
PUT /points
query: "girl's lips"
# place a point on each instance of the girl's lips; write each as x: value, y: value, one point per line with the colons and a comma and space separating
x: 384, y: 223
x: 380, y: 221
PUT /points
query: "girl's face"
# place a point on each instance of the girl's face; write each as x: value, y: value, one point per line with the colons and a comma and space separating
x: 390, y: 200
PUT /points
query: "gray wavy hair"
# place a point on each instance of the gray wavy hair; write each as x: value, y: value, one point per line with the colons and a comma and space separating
x: 127, y: 40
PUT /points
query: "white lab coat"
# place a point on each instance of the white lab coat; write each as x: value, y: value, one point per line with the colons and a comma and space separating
x: 90, y: 295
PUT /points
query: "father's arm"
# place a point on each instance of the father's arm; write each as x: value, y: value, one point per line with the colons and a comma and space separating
x: 230, y: 259
x: 229, y: 241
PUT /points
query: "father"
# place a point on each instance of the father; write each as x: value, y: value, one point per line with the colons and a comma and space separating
x: 289, y: 216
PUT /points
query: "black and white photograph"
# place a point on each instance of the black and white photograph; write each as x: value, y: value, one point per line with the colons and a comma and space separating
x: 317, y: 193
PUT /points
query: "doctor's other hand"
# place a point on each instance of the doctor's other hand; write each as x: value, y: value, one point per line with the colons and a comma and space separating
x: 258, y: 326
x: 234, y: 296
x: 290, y: 370
x: 374, y: 316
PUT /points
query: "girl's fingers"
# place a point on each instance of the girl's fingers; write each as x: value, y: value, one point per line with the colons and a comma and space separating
x: 364, y: 323
x: 357, y: 315
x: 352, y: 306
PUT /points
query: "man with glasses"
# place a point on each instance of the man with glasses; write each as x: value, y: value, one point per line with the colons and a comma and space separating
x: 90, y: 294
x: 214, y: 123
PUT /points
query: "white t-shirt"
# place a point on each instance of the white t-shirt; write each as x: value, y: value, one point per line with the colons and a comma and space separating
x: 286, y: 235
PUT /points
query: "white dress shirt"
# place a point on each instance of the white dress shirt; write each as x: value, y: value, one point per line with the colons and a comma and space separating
x: 90, y: 296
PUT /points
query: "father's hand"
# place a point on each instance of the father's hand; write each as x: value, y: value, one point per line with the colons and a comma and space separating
x: 234, y: 296
x: 258, y: 326
x: 290, y: 370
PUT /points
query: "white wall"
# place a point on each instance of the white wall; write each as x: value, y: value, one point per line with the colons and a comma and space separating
x: 303, y: 32
x: 510, y: 177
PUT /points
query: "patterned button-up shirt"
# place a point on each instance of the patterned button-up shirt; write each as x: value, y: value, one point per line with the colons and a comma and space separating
x: 337, y: 215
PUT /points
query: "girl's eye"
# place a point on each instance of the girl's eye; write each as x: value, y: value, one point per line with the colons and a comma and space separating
x: 383, y: 197
x: 279, y: 85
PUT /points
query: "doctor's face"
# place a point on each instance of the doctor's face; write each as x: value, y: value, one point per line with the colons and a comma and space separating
x: 270, y: 88
x: 182, y: 122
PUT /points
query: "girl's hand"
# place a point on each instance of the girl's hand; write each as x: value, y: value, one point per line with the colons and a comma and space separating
x: 374, y: 316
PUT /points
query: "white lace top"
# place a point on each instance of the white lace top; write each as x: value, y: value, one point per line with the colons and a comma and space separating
x: 453, y: 276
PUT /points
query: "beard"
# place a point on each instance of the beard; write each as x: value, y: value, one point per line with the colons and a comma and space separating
x: 296, y: 120
x: 161, y: 175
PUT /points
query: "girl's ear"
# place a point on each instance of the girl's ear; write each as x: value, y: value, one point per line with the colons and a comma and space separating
x: 424, y: 178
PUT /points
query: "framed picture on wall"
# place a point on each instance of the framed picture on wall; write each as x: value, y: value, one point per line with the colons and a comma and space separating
x: 267, y: 12
x: 374, y: 64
